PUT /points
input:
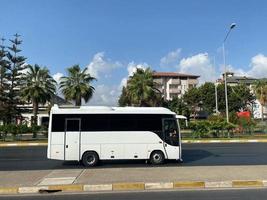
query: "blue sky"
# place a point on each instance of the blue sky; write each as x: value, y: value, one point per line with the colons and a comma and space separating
x: 112, y: 37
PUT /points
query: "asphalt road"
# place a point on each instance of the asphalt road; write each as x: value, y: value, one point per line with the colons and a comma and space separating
x: 34, y: 158
x: 249, y: 194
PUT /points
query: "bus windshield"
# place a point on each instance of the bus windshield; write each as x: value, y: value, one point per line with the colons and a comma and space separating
x: 171, y: 132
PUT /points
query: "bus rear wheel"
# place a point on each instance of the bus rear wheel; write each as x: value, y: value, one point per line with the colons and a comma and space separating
x: 157, y: 158
x: 90, y: 159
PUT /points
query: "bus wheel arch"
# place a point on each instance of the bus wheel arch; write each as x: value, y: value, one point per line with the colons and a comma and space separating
x: 90, y: 158
x: 157, y: 157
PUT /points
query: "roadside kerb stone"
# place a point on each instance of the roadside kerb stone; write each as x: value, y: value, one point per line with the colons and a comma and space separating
x: 249, y: 183
x: 93, y: 188
x: 128, y: 186
x: 24, y: 144
x: 189, y: 184
x: 136, y: 186
x: 69, y: 188
x: 154, y: 186
x: 218, y: 184
x: 8, y: 190
x: 29, y: 190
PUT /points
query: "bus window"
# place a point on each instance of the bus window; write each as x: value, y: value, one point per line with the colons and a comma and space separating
x: 171, y: 132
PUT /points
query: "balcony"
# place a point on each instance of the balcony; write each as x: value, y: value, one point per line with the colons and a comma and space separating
x: 175, y: 81
x: 175, y: 91
x: 193, y: 81
x: 158, y: 81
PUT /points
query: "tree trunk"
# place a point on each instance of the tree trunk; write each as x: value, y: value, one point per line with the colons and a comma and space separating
x: 34, y: 122
x: 262, y: 103
x: 262, y: 112
x: 78, y: 101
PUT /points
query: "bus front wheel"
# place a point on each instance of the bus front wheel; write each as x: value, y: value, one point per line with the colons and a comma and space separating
x: 157, y: 158
x: 90, y: 159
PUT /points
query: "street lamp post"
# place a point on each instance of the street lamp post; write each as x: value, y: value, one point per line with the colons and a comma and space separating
x: 215, y: 87
x: 225, y: 71
x: 216, y: 98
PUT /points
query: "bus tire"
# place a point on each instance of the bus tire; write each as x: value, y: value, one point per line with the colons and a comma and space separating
x: 90, y: 159
x: 157, y: 158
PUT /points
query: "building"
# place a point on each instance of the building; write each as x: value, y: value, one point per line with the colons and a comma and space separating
x: 43, y: 111
x: 172, y: 84
x: 234, y: 80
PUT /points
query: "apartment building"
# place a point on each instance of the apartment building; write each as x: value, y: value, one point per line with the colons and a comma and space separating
x: 172, y: 84
x: 233, y: 80
x: 43, y: 112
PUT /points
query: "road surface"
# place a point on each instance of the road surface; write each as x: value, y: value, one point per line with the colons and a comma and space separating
x: 241, y: 194
x: 34, y: 158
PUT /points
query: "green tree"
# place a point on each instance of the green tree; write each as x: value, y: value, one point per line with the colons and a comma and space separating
x: 124, y: 99
x: 3, y: 82
x: 240, y: 98
x: 16, y: 65
x: 38, y: 87
x: 178, y: 106
x: 142, y: 90
x: 193, y: 100
x: 260, y: 89
x: 76, y: 86
x: 207, y: 96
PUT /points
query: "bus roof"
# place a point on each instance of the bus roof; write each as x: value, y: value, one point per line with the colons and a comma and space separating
x: 181, y: 117
x: 109, y: 110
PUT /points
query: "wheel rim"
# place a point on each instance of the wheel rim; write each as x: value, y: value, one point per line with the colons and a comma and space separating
x: 90, y: 159
x: 157, y: 158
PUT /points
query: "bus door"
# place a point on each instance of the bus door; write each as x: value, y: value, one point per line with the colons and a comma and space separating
x: 72, y: 139
x: 171, y: 138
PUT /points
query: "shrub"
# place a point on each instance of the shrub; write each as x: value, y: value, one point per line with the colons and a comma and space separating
x: 215, y: 126
x: 18, y: 129
x: 200, y: 128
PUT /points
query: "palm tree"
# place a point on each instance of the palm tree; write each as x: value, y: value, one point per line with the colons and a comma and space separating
x: 260, y: 89
x: 39, y: 87
x: 76, y: 86
x: 141, y: 88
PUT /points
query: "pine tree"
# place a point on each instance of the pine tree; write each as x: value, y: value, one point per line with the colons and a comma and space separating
x: 15, y: 67
x: 3, y: 81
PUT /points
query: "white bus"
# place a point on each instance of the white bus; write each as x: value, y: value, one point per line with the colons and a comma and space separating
x: 89, y: 134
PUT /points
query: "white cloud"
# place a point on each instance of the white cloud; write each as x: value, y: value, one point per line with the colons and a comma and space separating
x: 171, y: 59
x: 131, y: 68
x: 123, y: 82
x: 105, y: 95
x: 258, y: 66
x: 57, y: 77
x: 236, y: 71
x: 199, y: 64
x: 100, y: 65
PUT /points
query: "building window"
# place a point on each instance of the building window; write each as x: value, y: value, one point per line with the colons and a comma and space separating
x: 173, y: 86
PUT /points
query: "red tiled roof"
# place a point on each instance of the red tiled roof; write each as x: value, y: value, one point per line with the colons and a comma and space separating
x: 172, y: 74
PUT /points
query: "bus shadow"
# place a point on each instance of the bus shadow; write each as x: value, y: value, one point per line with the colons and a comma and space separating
x: 195, y: 156
x: 189, y: 157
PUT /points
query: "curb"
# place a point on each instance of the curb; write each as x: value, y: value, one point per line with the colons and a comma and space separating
x: 183, y: 141
x: 226, y: 141
x: 136, y: 186
x: 22, y: 144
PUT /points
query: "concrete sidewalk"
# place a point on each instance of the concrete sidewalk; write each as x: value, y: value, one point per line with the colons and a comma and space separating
x: 99, y: 179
